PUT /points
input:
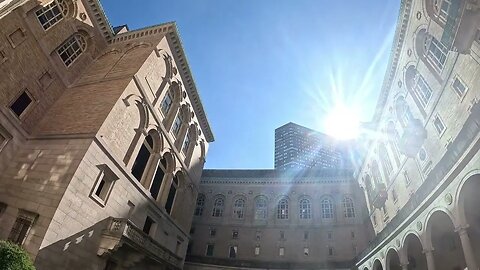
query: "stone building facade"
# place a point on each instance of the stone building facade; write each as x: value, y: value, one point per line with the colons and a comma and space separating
x: 267, y: 219
x: 421, y: 174
x: 103, y: 138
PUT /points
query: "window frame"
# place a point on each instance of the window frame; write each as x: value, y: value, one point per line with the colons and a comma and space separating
x: 200, y: 207
x: 327, y: 212
x: 305, y: 209
x: 239, y: 208
x: 436, y: 118
x: 108, y: 177
x: 455, y: 89
x: 218, y: 210
x: 282, y: 209
x: 23, y: 215
x: 27, y: 109
x: 68, y: 44
x: 163, y: 110
x: 177, y: 125
x: 49, y: 8
x: 348, y: 207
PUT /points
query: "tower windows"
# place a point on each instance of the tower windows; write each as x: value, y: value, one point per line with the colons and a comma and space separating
x: 218, y: 207
x: 239, y: 208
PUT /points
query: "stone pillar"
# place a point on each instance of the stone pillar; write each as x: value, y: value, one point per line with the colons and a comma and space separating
x: 430, y: 260
x: 467, y: 248
x: 404, y: 266
x: 165, y: 189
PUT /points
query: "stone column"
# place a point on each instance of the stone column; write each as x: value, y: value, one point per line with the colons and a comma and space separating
x: 404, y: 266
x: 467, y: 248
x: 165, y: 189
x: 430, y: 259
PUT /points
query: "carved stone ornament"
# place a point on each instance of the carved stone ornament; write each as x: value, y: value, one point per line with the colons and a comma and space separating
x: 399, y: 83
x: 397, y: 242
x: 83, y: 16
x: 409, y: 52
x: 448, y: 198
x: 419, y: 15
x: 419, y: 226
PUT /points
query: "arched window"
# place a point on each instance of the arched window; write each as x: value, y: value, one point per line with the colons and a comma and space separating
x: 144, y: 155
x: 402, y: 110
x: 239, y: 208
x: 305, y: 209
x: 385, y: 159
x: 377, y: 178
x: 393, y: 138
x: 200, y: 205
x: 282, y: 209
x: 348, y: 208
x: 327, y: 208
x: 52, y: 13
x: 158, y: 178
x: 72, y: 48
x: 417, y: 85
x: 442, y: 9
x: 436, y: 52
x: 218, y: 207
x: 260, y: 208
x: 172, y: 194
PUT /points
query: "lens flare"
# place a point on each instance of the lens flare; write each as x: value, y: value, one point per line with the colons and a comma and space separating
x: 342, y: 123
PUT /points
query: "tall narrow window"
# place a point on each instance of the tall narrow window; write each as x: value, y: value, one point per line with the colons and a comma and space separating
x: 209, y: 251
x: 148, y: 225
x: 166, y: 103
x: 443, y: 8
x: 158, y: 178
x: 459, y: 87
x: 305, y: 209
x: 377, y: 178
x: 177, y: 124
x: 260, y: 208
x: 385, y: 159
x: 422, y: 91
x: 186, y: 144
x: 239, y: 208
x: 406, y: 178
x: 281, y: 251
x: 140, y: 163
x: 436, y: 53
x: 71, y: 49
x: 232, y: 253
x: 20, y: 105
x: 327, y: 208
x: 22, y: 226
x: 282, y: 209
x: 439, y: 125
x: 218, y: 206
x: 257, y: 250
x: 200, y: 205
x: 172, y: 194
x: 348, y: 208
x: 103, y: 185
x: 50, y: 14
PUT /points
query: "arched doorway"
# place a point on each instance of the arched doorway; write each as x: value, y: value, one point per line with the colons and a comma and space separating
x: 447, y: 249
x: 414, y: 250
x: 393, y: 261
x: 377, y: 265
x: 470, y: 216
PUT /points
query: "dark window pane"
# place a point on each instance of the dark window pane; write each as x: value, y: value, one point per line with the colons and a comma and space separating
x: 140, y: 162
x: 157, y: 182
x: 21, y: 103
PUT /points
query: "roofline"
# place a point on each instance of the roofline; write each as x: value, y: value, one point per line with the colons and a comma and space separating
x: 170, y: 30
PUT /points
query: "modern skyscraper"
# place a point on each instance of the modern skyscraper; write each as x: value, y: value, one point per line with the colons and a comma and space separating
x: 298, y: 147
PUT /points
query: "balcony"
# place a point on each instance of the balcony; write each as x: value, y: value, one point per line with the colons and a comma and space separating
x: 121, y: 231
x: 412, y: 138
x: 380, y: 195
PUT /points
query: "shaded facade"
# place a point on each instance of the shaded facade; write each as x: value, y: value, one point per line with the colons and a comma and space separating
x: 268, y: 219
x: 103, y: 138
x: 420, y: 174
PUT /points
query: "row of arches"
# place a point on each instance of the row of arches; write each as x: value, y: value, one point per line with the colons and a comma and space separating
x: 281, y: 209
x: 449, y: 240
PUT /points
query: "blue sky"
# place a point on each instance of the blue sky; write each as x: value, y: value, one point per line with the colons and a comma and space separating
x: 259, y: 64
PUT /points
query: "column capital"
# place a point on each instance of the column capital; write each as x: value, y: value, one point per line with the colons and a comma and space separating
x: 462, y: 229
x: 428, y: 250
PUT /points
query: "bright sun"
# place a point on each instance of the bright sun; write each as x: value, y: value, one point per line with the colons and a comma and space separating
x: 342, y: 123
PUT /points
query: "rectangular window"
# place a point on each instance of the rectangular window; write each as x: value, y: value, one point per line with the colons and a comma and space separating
x: 103, y: 185
x: 166, y: 103
x: 438, y: 123
x: 20, y: 105
x: 444, y: 10
x: 71, y: 49
x: 459, y: 87
x: 306, y: 251
x: 281, y: 251
x: 49, y: 15
x: 282, y: 235
x: 329, y: 235
x: 209, y: 251
x: 17, y: 37
x: 330, y: 251
x: 352, y: 234
x: 234, y: 234
x: 257, y: 250
x: 177, y: 124
x: 305, y: 235
x: 186, y: 144
x: 22, y: 226
x: 213, y: 232
x: 422, y: 90
x: 232, y: 253
x: 147, y: 227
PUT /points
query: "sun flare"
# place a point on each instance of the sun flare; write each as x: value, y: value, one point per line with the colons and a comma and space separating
x: 342, y: 123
